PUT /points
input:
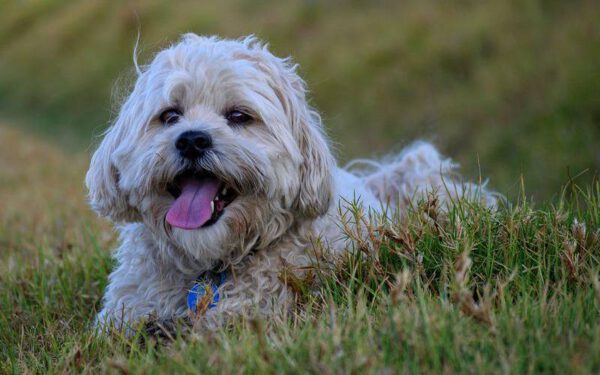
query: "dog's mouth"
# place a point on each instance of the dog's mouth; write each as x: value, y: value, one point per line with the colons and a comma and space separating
x: 200, y: 200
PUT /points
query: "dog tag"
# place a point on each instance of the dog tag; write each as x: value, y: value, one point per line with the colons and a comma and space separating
x: 202, y: 285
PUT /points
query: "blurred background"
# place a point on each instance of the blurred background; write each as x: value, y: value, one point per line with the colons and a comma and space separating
x: 510, y: 89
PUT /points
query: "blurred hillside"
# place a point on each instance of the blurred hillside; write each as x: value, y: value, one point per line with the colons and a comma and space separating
x: 508, y: 87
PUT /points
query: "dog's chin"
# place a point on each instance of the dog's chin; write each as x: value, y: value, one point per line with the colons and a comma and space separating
x: 209, y: 243
x: 197, y: 210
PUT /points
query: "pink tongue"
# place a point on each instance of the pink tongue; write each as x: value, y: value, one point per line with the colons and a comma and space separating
x: 192, y: 209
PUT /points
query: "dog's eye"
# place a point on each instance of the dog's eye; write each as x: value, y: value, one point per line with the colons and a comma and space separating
x: 170, y: 116
x: 237, y: 117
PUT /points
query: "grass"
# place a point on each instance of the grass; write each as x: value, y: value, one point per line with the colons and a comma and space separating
x: 513, y: 291
x: 509, y: 89
x: 511, y: 84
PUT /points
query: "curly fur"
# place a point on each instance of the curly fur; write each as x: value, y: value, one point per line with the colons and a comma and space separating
x: 288, y: 182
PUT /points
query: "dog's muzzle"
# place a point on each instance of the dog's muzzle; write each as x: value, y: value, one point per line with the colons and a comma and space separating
x: 200, y: 200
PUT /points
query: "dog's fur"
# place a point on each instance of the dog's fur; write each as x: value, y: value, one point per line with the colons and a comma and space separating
x: 281, y: 165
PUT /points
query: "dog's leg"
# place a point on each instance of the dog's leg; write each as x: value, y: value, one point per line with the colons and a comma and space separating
x: 141, y: 286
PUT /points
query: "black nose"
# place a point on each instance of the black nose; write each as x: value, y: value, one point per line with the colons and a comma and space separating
x: 193, y: 143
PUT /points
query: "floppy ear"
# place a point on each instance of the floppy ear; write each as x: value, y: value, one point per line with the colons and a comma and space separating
x: 102, y: 181
x: 316, y: 180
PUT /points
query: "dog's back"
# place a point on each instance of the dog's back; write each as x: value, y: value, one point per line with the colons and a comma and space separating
x: 418, y: 170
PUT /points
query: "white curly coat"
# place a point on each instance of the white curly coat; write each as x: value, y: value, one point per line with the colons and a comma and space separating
x: 281, y: 165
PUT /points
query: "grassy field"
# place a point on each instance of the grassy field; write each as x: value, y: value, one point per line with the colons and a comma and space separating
x: 477, y: 292
x: 508, y: 88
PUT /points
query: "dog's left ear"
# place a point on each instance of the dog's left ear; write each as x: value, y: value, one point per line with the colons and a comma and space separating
x: 316, y: 180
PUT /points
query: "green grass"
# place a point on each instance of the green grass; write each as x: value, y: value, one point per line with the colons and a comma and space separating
x: 474, y: 291
x: 510, y: 86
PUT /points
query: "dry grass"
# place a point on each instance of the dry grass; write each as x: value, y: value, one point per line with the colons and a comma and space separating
x: 43, y: 198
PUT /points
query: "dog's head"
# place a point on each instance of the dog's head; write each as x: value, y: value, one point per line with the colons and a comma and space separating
x: 215, y: 148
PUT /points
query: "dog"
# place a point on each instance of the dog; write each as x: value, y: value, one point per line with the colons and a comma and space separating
x: 216, y: 167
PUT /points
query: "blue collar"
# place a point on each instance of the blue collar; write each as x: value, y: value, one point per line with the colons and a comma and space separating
x: 202, y: 285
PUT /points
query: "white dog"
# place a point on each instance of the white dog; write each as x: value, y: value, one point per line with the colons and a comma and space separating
x: 216, y: 165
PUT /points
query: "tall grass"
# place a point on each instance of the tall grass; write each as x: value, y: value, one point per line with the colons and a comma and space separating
x: 473, y: 290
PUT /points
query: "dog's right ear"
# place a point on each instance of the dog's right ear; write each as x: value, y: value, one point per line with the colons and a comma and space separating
x: 102, y: 181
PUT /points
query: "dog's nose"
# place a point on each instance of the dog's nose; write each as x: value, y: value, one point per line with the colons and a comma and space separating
x: 193, y: 143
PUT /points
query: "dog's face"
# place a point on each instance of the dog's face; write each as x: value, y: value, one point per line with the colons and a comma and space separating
x: 215, y: 150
